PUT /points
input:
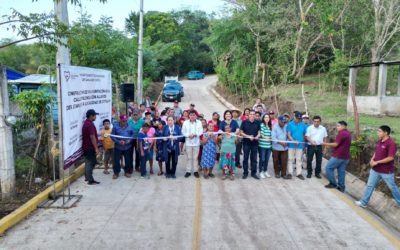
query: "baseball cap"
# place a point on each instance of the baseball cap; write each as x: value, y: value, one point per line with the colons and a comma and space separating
x: 297, y: 115
x: 123, y: 117
x: 282, y: 118
x: 305, y: 116
x: 91, y: 112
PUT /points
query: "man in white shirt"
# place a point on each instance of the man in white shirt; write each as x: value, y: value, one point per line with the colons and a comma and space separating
x: 192, y: 130
x: 316, y: 135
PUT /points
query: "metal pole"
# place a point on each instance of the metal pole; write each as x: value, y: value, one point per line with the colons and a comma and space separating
x: 63, y: 57
x: 140, y: 57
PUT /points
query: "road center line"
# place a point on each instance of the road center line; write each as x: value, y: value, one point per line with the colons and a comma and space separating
x: 196, y: 237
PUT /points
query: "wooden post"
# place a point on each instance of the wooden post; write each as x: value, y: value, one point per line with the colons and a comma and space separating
x: 352, y: 90
x: 398, y: 83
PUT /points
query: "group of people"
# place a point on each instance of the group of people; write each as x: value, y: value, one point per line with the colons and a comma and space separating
x: 145, y: 133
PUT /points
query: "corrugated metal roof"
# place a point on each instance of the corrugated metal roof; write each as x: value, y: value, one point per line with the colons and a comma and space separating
x: 35, y: 79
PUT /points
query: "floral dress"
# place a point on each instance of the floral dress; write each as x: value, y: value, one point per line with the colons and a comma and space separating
x: 208, y: 156
x: 159, y: 146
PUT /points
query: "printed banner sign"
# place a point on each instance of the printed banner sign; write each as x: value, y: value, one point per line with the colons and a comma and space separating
x: 82, y: 89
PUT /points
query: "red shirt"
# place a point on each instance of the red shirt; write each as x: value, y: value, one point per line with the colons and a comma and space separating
x: 342, y: 151
x: 385, y: 149
x: 216, y: 125
x: 88, y: 129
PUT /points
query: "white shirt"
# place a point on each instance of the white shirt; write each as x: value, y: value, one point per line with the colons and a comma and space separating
x: 316, y: 134
x: 192, y: 128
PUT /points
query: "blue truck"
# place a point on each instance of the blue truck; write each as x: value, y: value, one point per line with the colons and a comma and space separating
x: 195, y: 75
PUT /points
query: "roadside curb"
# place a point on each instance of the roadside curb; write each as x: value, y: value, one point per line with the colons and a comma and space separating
x: 380, y: 204
x: 23, y: 211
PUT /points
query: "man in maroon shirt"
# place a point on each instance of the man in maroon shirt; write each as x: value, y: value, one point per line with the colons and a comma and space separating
x: 340, y: 157
x: 89, y: 145
x: 382, y: 163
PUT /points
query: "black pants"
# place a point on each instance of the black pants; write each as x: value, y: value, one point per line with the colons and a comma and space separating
x: 117, y: 160
x: 311, y: 150
x: 170, y: 163
x: 90, y: 162
x: 238, y: 151
x: 136, y: 153
x: 250, y: 150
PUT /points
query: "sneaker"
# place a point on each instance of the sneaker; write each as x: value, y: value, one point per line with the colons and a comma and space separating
x: 115, y: 176
x: 93, y: 182
x: 287, y: 177
x: 277, y: 176
x: 301, y: 177
x: 340, y: 189
x: 142, y: 177
x: 318, y: 176
x: 255, y: 176
x: 128, y: 175
x: 196, y: 174
x: 267, y: 175
x: 173, y: 176
x: 167, y: 176
x: 187, y: 174
x: 262, y: 175
x: 360, y: 204
x: 330, y: 186
x: 244, y: 177
x: 211, y: 175
x: 308, y: 176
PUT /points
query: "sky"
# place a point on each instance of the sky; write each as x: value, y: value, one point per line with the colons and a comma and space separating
x: 117, y: 9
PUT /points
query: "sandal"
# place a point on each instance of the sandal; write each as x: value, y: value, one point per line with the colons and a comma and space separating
x: 224, y: 177
x: 106, y: 172
x: 160, y: 173
x: 232, y: 177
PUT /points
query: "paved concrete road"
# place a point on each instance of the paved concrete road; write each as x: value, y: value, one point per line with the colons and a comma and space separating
x: 184, y: 213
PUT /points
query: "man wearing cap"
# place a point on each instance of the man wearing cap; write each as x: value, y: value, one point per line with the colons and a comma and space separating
x: 89, y: 145
x: 136, y: 123
x: 316, y: 136
x: 177, y: 110
x: 122, y: 135
x: 192, y: 130
x: 280, y: 147
x: 306, y: 120
x: 250, y: 130
x: 191, y: 108
x: 296, y: 130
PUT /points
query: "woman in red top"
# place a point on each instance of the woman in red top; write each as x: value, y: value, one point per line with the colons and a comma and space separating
x: 245, y: 115
x: 184, y: 117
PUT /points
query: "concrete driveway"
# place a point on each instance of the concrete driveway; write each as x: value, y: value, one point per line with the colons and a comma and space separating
x: 160, y: 213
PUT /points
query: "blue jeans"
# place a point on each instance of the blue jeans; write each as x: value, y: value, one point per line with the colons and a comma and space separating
x: 127, y: 154
x: 265, y: 154
x: 341, y: 165
x: 373, y: 180
x: 143, y: 161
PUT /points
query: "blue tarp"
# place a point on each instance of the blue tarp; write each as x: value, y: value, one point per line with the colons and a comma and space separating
x: 13, y: 74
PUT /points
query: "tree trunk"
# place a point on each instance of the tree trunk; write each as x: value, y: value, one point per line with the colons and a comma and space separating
x: 373, y: 74
x: 258, y: 62
x: 264, y: 69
